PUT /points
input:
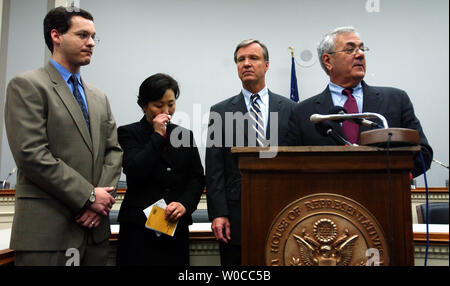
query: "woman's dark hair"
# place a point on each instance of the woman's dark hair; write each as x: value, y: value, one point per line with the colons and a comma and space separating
x: 154, y: 87
x: 60, y: 18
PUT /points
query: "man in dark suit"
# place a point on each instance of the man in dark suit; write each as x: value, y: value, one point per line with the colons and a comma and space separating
x: 63, y: 137
x: 254, y: 117
x: 342, y: 56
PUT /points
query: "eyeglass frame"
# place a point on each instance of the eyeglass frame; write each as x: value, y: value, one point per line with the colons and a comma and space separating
x: 364, y: 49
x: 84, y: 36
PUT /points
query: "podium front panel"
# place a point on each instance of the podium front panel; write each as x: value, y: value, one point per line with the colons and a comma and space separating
x: 358, y: 174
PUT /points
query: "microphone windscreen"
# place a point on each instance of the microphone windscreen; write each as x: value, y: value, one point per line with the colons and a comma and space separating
x: 315, y: 118
x: 337, y: 110
x: 323, y: 127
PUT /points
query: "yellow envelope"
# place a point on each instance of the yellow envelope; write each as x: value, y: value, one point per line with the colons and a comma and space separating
x: 157, y: 221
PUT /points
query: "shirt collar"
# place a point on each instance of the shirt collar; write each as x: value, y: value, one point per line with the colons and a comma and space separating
x: 337, y: 89
x: 65, y: 73
x: 263, y: 94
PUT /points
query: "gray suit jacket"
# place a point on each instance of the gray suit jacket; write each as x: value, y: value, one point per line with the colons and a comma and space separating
x: 59, y: 160
x: 223, y: 179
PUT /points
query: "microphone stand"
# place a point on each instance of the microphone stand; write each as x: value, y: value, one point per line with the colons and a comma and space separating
x: 338, y: 139
x: 7, y: 177
x: 325, y: 129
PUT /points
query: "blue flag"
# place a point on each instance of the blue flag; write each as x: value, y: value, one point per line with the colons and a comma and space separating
x: 294, y: 88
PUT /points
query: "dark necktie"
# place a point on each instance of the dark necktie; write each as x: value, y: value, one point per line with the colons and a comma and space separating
x: 350, y: 128
x: 256, y: 116
x: 79, y: 99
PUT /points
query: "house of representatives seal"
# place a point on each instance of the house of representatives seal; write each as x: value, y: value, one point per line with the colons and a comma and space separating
x: 325, y: 230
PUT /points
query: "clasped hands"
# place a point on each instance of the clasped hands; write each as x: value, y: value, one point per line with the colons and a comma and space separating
x: 92, y: 216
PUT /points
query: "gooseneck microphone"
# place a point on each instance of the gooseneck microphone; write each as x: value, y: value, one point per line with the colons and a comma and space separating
x: 316, y: 118
x: 361, y: 121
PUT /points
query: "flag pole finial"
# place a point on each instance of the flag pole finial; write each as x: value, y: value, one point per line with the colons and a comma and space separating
x: 292, y: 51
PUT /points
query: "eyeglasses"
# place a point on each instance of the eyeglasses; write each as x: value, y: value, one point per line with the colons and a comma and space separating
x: 352, y: 50
x: 84, y: 36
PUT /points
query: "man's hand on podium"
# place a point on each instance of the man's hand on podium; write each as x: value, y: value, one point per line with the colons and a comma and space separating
x: 221, y: 229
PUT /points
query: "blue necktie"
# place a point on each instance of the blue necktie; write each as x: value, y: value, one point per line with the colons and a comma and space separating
x: 80, y: 101
x: 256, y: 116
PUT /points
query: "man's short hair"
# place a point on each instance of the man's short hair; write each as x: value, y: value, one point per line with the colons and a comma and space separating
x: 328, y: 42
x: 248, y: 42
x: 60, y: 18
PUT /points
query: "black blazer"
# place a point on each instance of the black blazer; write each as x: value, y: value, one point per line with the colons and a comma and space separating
x: 155, y: 169
x: 223, y: 179
x: 394, y: 104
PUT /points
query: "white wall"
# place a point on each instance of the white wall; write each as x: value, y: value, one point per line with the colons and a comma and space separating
x: 194, y: 42
x: 1, y: 83
x: 1, y: 12
x: 25, y: 51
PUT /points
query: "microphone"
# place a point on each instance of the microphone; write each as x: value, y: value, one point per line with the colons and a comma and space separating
x: 316, y: 118
x: 337, y: 110
x: 325, y: 129
x: 7, y: 177
x: 361, y: 121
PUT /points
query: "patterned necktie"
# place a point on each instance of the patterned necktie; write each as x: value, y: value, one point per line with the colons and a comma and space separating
x: 79, y: 99
x: 256, y: 116
x: 351, y: 129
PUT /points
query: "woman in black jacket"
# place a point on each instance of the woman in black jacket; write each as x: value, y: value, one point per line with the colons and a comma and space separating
x: 155, y: 170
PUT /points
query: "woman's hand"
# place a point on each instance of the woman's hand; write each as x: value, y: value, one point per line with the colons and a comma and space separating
x: 160, y: 122
x: 174, y: 211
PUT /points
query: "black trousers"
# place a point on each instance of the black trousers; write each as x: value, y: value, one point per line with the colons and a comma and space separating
x: 230, y: 255
x: 139, y: 246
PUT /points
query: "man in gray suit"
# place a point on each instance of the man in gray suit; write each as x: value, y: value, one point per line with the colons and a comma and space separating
x: 223, y: 180
x: 63, y: 138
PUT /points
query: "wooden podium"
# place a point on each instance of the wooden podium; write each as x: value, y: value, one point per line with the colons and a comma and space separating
x: 356, y: 175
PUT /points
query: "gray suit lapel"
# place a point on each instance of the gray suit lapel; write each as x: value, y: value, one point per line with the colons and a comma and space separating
x: 63, y: 91
x: 94, y: 117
